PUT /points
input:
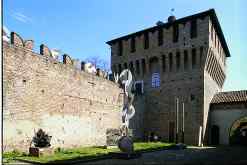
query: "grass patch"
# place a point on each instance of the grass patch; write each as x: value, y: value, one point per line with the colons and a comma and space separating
x: 9, y: 157
x: 142, y: 146
x: 82, y: 153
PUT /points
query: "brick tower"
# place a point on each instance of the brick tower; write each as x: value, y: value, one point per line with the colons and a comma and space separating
x: 176, y: 64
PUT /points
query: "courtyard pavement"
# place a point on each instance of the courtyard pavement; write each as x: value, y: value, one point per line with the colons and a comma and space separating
x: 190, y: 156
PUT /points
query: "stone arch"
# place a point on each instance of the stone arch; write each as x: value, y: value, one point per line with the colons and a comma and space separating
x: 238, y: 131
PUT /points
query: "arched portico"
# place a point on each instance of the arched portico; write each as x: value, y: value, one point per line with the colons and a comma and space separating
x: 224, y: 116
x: 238, y: 132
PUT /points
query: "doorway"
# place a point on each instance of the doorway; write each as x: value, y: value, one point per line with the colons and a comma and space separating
x: 171, y: 131
x: 215, y: 135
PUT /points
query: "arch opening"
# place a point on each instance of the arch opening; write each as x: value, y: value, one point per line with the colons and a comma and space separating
x: 238, y: 132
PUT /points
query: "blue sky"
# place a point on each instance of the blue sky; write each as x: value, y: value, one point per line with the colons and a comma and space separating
x: 81, y: 28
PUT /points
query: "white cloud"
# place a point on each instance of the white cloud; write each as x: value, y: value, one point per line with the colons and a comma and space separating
x: 6, y: 34
x: 6, y: 30
x: 21, y: 17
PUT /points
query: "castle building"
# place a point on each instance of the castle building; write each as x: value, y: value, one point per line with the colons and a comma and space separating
x: 179, y: 67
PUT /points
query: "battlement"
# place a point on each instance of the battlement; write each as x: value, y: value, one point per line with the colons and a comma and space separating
x: 41, y: 91
x: 17, y: 41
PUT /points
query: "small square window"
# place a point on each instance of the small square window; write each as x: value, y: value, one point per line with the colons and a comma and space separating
x: 192, y: 97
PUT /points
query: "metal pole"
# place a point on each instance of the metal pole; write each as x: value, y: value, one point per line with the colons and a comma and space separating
x: 183, y: 125
x: 177, y: 102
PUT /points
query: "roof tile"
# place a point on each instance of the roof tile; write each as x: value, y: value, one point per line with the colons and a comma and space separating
x: 231, y: 96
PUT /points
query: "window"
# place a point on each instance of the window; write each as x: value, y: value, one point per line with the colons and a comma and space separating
x: 155, y: 80
x: 119, y: 68
x: 114, y: 69
x: 131, y: 66
x: 201, y: 55
x: 154, y: 65
x: 160, y: 37
x: 164, y: 63
x: 133, y: 44
x: 120, y: 48
x: 215, y: 39
x: 185, y: 59
x: 139, y: 87
x: 146, y: 40
x: 218, y: 46
x: 193, y: 29
x: 175, y: 33
x: 193, y: 58
x: 212, y: 32
x: 192, y: 97
x: 178, y: 60
x: 143, y: 66
x: 137, y: 67
x: 125, y: 66
x: 170, y: 62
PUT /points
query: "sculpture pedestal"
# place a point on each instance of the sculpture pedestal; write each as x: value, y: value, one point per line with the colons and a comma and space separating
x: 36, y: 151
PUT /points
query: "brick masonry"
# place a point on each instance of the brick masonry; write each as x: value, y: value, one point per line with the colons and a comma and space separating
x: 194, y: 84
x: 76, y: 108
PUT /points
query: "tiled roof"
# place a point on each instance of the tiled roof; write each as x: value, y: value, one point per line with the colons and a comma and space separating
x: 229, y: 97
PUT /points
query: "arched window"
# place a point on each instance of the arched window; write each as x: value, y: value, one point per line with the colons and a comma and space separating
x: 155, y: 80
x: 178, y: 60
x: 154, y: 65
x: 143, y: 66
x: 185, y: 59
x: 125, y: 66
x: 193, y: 58
x: 137, y: 67
x: 155, y: 71
x: 164, y: 63
x: 170, y: 62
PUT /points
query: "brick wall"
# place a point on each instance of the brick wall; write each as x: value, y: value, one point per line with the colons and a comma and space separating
x: 182, y: 83
x: 74, y: 107
x: 192, y: 82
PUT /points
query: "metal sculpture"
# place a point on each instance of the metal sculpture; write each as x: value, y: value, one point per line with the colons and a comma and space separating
x: 125, y: 143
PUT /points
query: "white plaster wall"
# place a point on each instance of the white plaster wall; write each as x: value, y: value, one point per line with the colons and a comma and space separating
x: 224, y: 118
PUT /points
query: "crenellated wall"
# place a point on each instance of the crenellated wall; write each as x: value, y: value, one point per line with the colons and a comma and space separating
x: 74, y: 107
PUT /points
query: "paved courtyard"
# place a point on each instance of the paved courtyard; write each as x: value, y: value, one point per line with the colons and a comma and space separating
x: 190, y: 156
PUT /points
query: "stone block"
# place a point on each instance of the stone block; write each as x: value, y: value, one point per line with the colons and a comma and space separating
x: 112, y: 136
x: 34, y: 151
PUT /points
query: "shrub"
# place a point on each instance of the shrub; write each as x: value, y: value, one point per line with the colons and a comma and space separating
x: 41, y: 139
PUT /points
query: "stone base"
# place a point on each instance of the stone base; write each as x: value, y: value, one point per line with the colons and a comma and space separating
x: 35, y: 151
x: 122, y: 155
x: 112, y: 147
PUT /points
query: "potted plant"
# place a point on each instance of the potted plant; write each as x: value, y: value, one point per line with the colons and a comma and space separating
x: 40, y: 144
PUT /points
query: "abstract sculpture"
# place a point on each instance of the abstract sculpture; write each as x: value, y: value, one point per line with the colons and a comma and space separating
x: 125, y: 143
